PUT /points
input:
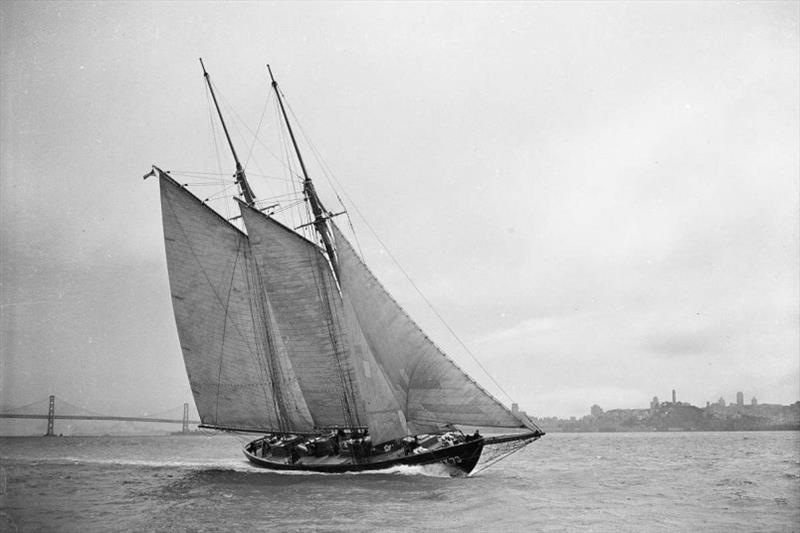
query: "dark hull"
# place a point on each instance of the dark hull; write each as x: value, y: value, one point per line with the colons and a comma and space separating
x: 461, y: 458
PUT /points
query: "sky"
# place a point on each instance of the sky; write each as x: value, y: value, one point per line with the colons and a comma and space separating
x: 601, y: 199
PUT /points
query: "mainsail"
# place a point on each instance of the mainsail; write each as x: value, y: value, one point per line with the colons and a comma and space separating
x: 238, y: 370
x: 340, y: 379
x: 307, y: 309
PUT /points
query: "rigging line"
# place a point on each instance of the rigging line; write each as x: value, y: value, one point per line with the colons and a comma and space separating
x: 244, y: 124
x: 214, y: 174
x: 289, y: 160
x: 328, y: 173
x: 198, y: 175
x: 216, y: 144
x: 203, y: 179
x: 260, y: 318
x: 230, y: 109
x: 219, y: 194
x: 225, y: 326
x: 348, y: 400
x: 279, y: 196
x: 501, y: 458
x: 258, y: 128
x: 293, y: 202
x: 201, y: 184
x: 397, y: 263
x: 314, y: 150
x: 239, y: 176
x: 329, y: 176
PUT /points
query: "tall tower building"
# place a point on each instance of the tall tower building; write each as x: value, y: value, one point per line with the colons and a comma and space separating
x: 740, y: 399
x: 673, y: 396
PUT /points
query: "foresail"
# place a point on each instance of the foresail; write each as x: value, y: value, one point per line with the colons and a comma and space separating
x: 307, y: 310
x: 432, y: 390
x: 237, y: 377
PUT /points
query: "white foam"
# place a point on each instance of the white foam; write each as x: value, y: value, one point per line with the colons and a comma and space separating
x: 240, y: 465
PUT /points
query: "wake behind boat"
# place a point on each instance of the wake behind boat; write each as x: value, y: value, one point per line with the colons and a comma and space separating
x: 293, y: 337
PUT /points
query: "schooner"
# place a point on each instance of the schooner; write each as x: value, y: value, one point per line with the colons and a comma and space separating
x: 295, y: 339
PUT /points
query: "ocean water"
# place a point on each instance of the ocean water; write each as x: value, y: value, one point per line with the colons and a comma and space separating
x: 564, y: 482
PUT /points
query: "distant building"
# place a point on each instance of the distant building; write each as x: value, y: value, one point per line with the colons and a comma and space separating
x: 740, y: 398
x: 654, y: 403
x: 596, y: 410
x: 721, y: 402
x: 708, y: 404
x: 754, y: 401
x: 673, y: 397
x: 515, y: 408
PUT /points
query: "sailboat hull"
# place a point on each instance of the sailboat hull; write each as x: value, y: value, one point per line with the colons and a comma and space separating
x: 460, y: 459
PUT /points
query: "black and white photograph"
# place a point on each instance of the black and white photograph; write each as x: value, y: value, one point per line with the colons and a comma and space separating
x: 361, y: 266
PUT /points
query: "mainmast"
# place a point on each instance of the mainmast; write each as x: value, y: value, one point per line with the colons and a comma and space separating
x: 320, y: 214
x: 241, y: 179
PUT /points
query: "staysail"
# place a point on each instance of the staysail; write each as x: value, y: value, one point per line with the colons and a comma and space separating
x: 432, y: 391
x: 239, y: 373
x: 385, y: 417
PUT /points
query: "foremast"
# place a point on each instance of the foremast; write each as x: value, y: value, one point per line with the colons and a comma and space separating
x: 239, y: 176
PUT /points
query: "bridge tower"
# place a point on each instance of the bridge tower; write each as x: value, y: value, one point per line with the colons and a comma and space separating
x: 185, y: 428
x: 51, y: 416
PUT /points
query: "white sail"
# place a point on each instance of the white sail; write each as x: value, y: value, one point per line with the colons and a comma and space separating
x: 235, y: 379
x: 307, y: 310
x: 432, y: 391
x: 386, y: 419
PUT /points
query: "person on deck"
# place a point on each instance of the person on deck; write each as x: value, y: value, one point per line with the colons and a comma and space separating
x: 264, y: 448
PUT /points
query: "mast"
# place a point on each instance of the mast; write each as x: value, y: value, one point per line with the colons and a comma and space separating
x: 320, y: 214
x: 349, y: 403
x: 241, y: 179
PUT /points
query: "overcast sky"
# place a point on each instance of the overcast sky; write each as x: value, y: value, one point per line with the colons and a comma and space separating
x: 600, y: 198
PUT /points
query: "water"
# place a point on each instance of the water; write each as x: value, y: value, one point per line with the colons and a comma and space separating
x: 564, y: 482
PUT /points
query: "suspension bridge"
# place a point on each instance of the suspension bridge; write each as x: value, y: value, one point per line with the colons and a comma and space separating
x: 83, y: 414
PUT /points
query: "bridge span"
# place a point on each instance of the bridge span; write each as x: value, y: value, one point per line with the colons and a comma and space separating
x: 51, y: 417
